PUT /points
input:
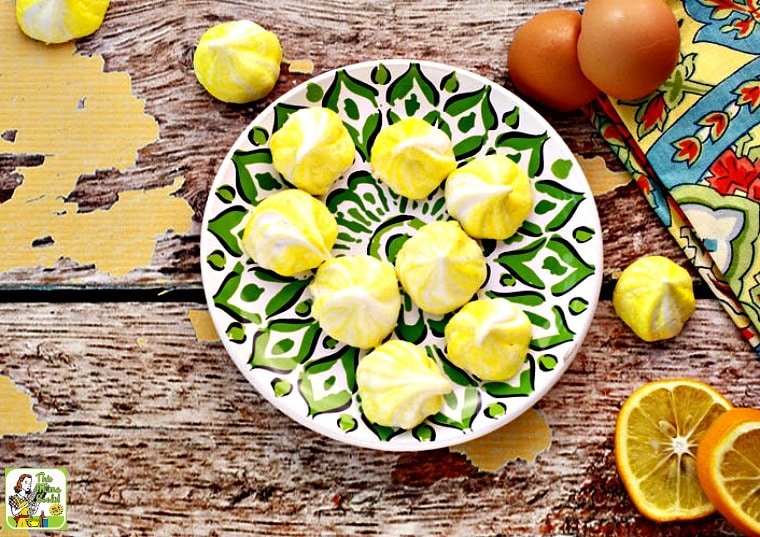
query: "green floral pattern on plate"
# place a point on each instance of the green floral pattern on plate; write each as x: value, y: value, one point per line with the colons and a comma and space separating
x: 551, y: 267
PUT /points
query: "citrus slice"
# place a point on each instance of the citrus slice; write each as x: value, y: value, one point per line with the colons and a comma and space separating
x: 412, y: 157
x: 656, y: 436
x: 312, y: 149
x: 238, y: 61
x: 654, y: 297
x: 59, y: 21
x: 728, y: 467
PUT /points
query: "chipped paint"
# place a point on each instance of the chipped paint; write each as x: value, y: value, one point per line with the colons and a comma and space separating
x: 305, y: 67
x: 600, y: 178
x: 16, y: 414
x: 203, y: 325
x: 62, y: 107
x: 523, y: 438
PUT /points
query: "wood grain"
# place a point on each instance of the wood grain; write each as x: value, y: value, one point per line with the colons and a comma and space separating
x: 163, y: 436
x: 154, y: 41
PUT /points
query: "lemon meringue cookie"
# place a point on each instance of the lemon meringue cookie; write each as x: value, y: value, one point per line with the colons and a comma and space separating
x: 441, y: 267
x: 356, y: 299
x: 490, y: 196
x: 412, y: 157
x: 489, y: 338
x: 290, y: 232
x: 312, y: 149
x: 399, y: 385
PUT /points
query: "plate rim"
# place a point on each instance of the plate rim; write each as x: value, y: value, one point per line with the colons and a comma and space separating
x: 522, y: 404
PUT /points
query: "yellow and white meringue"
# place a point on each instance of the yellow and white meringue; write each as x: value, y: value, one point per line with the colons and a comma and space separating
x: 412, y: 157
x: 441, y: 267
x: 312, y: 149
x: 490, y: 196
x: 489, y: 338
x: 399, y: 385
x: 290, y: 232
x: 356, y: 299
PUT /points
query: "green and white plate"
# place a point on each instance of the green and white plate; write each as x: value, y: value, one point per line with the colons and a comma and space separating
x: 552, y: 267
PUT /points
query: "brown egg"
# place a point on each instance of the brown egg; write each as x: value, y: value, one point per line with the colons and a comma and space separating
x: 628, y: 48
x: 543, y: 62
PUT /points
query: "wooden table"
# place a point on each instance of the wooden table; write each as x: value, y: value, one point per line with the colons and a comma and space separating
x: 159, y: 431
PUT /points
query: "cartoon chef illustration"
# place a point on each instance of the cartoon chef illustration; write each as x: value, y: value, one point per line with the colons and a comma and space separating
x: 24, y: 503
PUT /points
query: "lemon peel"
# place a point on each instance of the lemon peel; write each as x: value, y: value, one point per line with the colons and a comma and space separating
x: 441, y: 267
x: 654, y: 297
x: 238, y: 61
x: 399, y: 385
x: 490, y: 196
x: 60, y: 21
x: 290, y: 232
x: 312, y: 149
x: 489, y: 338
x: 412, y: 157
x: 356, y: 299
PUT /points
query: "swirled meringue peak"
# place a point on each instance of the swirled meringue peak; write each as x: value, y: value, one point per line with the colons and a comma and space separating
x: 412, y: 157
x: 290, y: 232
x: 490, y: 196
x: 400, y: 385
x: 356, y: 299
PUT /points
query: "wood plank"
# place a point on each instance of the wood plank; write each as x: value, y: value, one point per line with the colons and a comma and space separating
x: 163, y: 436
x: 153, y: 42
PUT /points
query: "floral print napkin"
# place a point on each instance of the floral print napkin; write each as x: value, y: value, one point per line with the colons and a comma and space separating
x: 693, y: 146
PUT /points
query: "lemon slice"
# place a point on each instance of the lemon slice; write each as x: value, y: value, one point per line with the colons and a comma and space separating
x: 657, y: 433
x: 654, y: 297
x: 290, y: 232
x: 490, y: 196
x: 59, y: 21
x: 356, y: 299
x: 238, y: 61
x: 399, y: 385
x: 412, y: 157
x: 728, y: 467
x: 441, y: 267
x: 312, y: 149
x: 489, y: 338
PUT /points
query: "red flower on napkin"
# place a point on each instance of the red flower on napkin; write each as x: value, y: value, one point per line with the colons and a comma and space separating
x: 732, y: 174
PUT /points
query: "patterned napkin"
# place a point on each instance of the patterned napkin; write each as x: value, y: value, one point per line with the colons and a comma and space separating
x: 693, y: 146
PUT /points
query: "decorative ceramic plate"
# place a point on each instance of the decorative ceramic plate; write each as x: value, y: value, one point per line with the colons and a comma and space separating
x: 551, y: 268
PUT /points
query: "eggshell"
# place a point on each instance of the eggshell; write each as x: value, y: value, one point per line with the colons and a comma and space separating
x: 543, y: 64
x: 628, y: 48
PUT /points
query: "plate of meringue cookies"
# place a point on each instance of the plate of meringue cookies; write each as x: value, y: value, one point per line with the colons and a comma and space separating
x: 401, y: 255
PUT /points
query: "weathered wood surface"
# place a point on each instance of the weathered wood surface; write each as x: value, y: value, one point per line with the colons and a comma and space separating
x: 162, y: 436
x: 154, y: 42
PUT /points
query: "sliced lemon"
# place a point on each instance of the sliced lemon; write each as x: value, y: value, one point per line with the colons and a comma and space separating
x: 441, y: 267
x: 654, y: 297
x: 728, y: 467
x: 489, y: 338
x: 412, y: 157
x: 59, y: 21
x: 656, y: 436
x: 490, y: 196
x: 238, y: 61
x: 290, y: 232
x: 399, y: 385
x: 312, y: 149
x: 356, y: 299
